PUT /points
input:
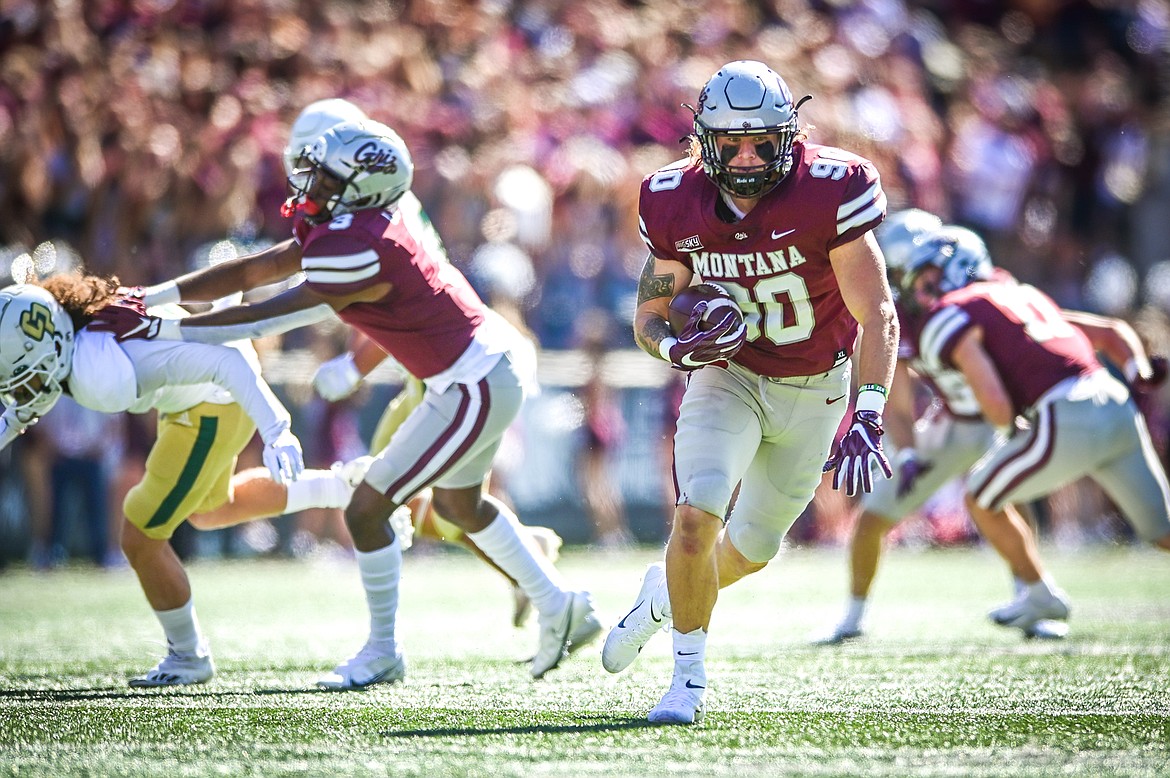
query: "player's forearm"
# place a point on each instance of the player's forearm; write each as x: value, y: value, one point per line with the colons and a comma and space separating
x: 367, y: 354
x: 650, y: 330
x: 273, y: 264
x: 232, y: 324
x: 877, y: 350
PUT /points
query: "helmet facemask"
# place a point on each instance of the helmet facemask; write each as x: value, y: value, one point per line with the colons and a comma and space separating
x: 746, y: 99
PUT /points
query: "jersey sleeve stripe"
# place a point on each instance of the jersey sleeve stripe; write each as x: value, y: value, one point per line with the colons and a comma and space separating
x: 861, y: 210
x: 340, y: 261
x: 645, y: 235
x: 326, y: 276
x: 940, y: 331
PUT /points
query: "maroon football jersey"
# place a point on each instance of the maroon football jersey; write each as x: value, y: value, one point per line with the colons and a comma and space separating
x: 426, y: 321
x: 775, y: 261
x: 1024, y: 334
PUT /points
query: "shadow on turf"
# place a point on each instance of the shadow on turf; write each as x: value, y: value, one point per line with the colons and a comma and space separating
x: 603, y: 724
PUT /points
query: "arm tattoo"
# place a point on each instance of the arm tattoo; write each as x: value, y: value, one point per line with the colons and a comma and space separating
x: 651, y: 286
x: 653, y: 332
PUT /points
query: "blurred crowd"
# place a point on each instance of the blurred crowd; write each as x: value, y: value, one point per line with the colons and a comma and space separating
x: 141, y: 137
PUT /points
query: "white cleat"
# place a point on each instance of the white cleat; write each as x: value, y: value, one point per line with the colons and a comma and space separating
x: 1046, y: 629
x: 573, y: 627
x: 370, y: 666
x: 683, y: 702
x: 1031, y: 607
x: 630, y: 635
x: 177, y: 669
x: 841, y: 633
x: 549, y: 544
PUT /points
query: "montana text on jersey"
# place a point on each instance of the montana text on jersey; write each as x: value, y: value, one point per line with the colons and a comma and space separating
x: 775, y: 261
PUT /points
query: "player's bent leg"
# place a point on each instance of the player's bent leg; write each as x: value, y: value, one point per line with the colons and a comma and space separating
x: 167, y: 589
x: 567, y: 618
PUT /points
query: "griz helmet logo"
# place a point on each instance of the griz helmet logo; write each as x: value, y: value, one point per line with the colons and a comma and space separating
x: 373, y: 157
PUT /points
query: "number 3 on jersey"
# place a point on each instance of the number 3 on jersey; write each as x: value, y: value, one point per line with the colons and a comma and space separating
x: 781, y: 312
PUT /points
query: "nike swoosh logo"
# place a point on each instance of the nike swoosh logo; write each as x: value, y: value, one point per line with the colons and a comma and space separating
x: 657, y: 619
x: 835, y: 399
x: 778, y: 235
x: 687, y: 653
x: 139, y: 328
x: 622, y: 623
x: 694, y: 685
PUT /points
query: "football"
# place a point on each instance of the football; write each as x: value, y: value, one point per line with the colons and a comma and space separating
x: 683, y: 303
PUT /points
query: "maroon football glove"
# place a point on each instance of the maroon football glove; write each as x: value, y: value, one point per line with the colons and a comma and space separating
x: 127, y: 319
x: 857, y: 452
x: 696, y: 348
x: 910, y: 469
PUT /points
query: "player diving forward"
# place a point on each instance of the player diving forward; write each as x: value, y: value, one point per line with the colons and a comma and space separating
x: 210, y: 399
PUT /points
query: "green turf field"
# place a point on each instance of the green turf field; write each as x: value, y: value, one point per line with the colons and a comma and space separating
x: 934, y: 690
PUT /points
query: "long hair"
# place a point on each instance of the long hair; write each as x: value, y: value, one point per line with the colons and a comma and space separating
x: 80, y: 295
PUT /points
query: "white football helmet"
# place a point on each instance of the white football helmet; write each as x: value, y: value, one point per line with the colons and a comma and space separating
x: 366, y: 165
x: 314, y: 120
x: 957, y: 251
x: 746, y: 98
x: 36, y: 350
x: 895, y: 235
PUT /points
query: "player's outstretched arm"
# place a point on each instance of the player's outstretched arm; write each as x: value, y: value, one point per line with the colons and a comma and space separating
x: 11, y: 428
x: 1115, y: 339
x: 242, y: 274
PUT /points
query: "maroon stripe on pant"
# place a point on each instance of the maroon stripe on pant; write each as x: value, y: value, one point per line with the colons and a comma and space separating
x: 445, y: 437
x: 1046, y: 417
x: 432, y: 450
x: 485, y: 407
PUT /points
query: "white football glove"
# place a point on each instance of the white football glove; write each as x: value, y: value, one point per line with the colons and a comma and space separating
x: 283, y: 457
x: 338, y: 378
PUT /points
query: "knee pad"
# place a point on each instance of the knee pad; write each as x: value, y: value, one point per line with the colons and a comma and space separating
x: 708, y: 490
x: 758, y: 543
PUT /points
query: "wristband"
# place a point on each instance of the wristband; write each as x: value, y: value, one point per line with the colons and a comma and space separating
x: 871, y: 397
x: 161, y: 294
x: 665, y: 346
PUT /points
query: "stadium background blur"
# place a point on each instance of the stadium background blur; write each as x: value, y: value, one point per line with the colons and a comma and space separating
x: 142, y: 138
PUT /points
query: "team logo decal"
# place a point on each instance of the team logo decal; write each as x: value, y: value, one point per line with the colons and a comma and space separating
x: 689, y: 244
x: 374, y: 158
x: 37, y: 321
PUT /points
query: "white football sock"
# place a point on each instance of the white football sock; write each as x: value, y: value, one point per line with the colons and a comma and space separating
x: 181, y: 626
x: 317, y: 489
x: 380, y: 572
x: 508, y: 546
x: 689, y: 647
x: 854, y: 612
